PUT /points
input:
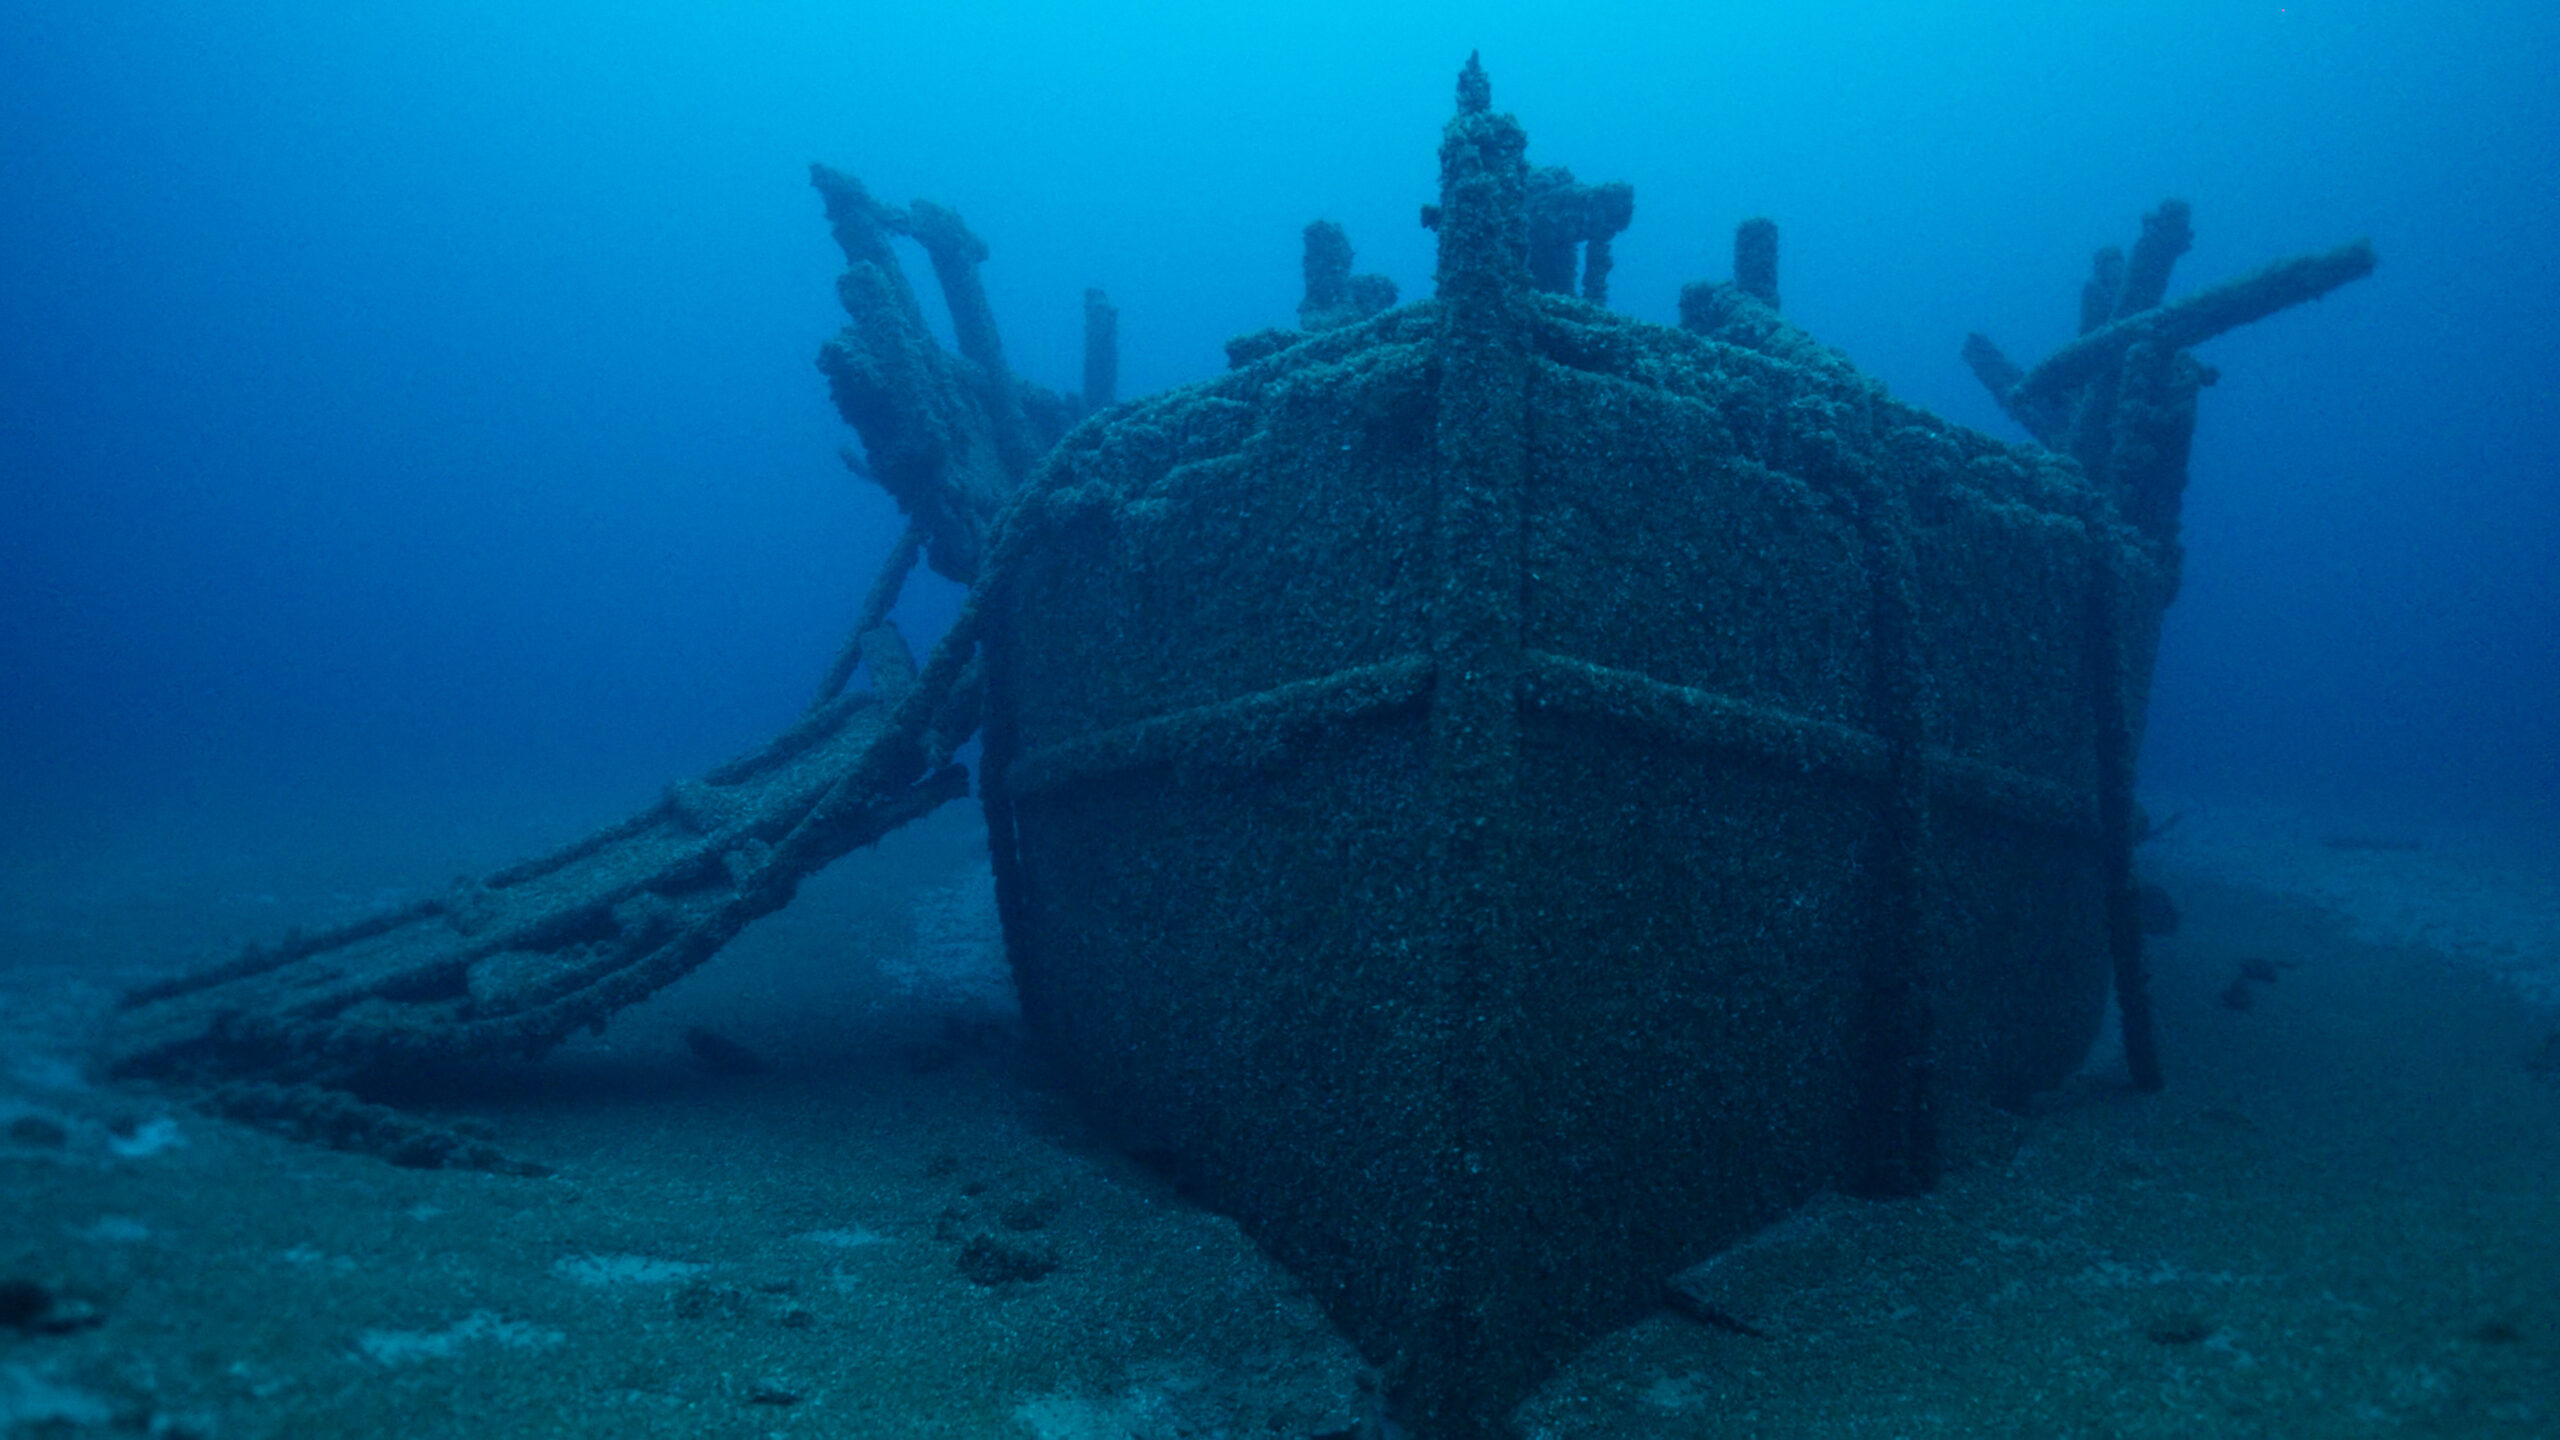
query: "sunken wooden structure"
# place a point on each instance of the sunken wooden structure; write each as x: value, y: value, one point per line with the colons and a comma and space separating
x: 1505, y: 798
x: 1499, y: 797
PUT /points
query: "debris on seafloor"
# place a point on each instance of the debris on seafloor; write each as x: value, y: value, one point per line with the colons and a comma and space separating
x: 992, y: 1262
x: 31, y: 1307
x: 717, y: 1054
x: 2178, y: 1327
x: 2252, y: 972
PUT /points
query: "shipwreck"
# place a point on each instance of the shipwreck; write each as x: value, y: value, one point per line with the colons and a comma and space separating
x: 1500, y: 797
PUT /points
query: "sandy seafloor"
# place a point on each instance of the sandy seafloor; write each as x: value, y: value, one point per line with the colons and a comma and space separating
x: 2342, y: 1218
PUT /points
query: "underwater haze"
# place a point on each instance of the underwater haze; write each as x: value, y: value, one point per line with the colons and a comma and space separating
x: 420, y: 398
x: 1345, y: 1018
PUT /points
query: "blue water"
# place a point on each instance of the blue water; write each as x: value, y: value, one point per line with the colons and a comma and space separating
x: 423, y: 395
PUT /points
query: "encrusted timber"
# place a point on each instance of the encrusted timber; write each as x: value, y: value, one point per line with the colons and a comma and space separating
x: 2048, y: 421
x: 2185, y: 323
x: 1744, y: 310
x: 949, y: 436
x: 2121, y: 398
x: 1334, y: 296
x: 1257, y: 729
x: 1101, y: 351
x: 1567, y: 216
x: 928, y: 436
x: 514, y: 962
x: 1274, y: 726
x: 892, y: 669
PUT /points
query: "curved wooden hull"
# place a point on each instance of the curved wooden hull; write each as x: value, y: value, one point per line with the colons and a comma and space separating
x: 1506, y: 801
